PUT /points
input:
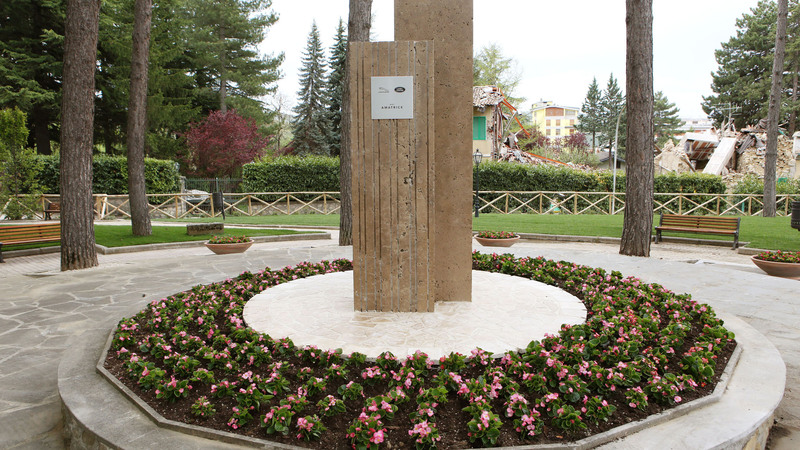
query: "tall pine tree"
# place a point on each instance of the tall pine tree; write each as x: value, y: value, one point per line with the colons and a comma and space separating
x: 31, y: 54
x: 337, y: 65
x: 310, y: 124
x: 742, y: 79
x: 611, y: 105
x: 665, y: 118
x: 590, y: 118
x: 226, y: 35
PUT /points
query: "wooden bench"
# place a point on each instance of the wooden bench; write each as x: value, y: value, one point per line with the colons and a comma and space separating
x: 51, y: 208
x: 28, y: 234
x: 700, y: 225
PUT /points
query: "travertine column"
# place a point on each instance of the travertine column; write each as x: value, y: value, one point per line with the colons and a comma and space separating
x: 392, y: 170
x: 448, y: 23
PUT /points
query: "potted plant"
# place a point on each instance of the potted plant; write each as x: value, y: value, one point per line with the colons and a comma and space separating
x: 496, y: 238
x: 779, y: 263
x: 223, y: 245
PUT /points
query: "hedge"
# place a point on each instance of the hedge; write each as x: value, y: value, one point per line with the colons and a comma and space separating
x: 316, y: 174
x: 110, y: 175
x: 292, y: 174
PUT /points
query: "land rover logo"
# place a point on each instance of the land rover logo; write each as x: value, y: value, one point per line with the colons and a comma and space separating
x: 400, y: 89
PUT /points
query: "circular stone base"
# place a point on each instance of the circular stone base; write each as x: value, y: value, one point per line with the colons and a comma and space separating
x: 506, y: 313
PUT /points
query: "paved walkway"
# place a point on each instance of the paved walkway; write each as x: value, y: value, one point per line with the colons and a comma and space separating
x: 42, y: 309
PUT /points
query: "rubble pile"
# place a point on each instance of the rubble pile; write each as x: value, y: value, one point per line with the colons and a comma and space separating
x: 703, y: 152
x: 673, y: 159
x: 524, y: 157
x: 751, y: 160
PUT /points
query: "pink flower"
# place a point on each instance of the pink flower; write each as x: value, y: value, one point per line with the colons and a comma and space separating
x: 377, y: 438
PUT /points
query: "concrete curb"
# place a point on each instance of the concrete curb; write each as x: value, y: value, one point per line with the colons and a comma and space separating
x: 168, y: 245
x: 613, y: 240
x: 98, y: 415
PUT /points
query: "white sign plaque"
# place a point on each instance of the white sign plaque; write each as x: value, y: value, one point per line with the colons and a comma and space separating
x: 393, y: 97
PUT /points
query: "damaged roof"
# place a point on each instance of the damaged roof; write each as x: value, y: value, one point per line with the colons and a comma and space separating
x: 483, y: 96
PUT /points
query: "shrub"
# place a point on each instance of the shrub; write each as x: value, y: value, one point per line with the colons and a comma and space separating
x: 752, y: 184
x: 292, y: 174
x: 110, y: 175
x: 221, y: 143
x: 18, y: 166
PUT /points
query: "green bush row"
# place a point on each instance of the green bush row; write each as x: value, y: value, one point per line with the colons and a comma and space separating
x: 752, y: 184
x: 110, y: 175
x: 317, y: 173
x: 292, y: 174
x: 500, y: 176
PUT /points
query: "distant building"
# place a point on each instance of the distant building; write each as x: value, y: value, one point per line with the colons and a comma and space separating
x: 487, y: 120
x: 554, y: 121
x: 698, y: 125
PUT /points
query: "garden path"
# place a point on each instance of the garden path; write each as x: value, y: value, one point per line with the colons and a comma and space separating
x: 42, y: 309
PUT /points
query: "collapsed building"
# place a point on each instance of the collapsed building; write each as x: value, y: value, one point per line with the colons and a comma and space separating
x: 731, y: 154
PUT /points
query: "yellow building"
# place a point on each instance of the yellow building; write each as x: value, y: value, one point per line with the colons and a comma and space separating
x: 554, y: 121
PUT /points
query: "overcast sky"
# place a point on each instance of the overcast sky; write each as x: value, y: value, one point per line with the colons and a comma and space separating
x: 559, y: 46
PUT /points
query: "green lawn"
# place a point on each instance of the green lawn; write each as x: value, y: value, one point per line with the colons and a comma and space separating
x: 762, y: 232
x: 312, y: 220
x: 120, y: 236
x: 769, y: 233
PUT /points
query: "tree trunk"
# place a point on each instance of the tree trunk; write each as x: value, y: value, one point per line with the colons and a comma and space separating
x: 41, y: 130
x: 773, y: 114
x: 137, y: 119
x: 358, y: 26
x: 638, y: 221
x: 77, y: 117
x: 793, y: 115
x: 223, y: 79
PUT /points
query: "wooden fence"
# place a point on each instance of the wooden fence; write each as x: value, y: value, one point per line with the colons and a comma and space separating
x: 179, y: 206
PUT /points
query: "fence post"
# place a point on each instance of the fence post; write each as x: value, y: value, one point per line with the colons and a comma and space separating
x: 680, y: 203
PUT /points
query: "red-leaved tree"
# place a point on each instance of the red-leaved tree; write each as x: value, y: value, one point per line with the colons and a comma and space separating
x: 576, y: 141
x: 222, y: 143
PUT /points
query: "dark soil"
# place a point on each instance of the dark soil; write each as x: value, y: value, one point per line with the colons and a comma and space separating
x: 450, y: 419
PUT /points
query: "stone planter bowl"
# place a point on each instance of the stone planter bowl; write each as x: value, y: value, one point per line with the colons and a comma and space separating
x: 489, y: 242
x: 778, y: 269
x: 224, y: 249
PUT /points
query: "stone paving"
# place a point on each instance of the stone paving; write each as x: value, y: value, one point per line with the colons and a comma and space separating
x: 319, y: 311
x: 42, y: 309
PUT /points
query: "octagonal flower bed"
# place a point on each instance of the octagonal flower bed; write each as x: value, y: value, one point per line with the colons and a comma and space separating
x: 643, y: 349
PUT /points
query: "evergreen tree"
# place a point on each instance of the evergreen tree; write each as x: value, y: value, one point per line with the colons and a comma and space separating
x: 224, y: 45
x: 490, y: 67
x: 31, y: 55
x: 310, y: 125
x: 611, y: 105
x: 589, y: 119
x: 745, y: 63
x: 337, y: 64
x: 665, y: 118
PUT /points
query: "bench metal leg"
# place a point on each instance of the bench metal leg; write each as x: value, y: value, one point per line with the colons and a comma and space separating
x: 1, y: 253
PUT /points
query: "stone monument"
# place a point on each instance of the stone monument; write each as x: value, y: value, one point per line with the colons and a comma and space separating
x: 411, y: 160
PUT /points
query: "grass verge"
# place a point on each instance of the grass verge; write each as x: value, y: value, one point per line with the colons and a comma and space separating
x: 120, y: 236
x: 772, y: 233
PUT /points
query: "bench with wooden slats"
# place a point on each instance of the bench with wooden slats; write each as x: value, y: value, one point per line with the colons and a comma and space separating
x: 51, y: 208
x: 700, y: 225
x: 28, y: 234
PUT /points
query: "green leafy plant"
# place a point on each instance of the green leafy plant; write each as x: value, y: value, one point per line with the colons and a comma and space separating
x: 221, y: 239
x: 496, y: 234
x: 779, y: 256
x: 202, y: 407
